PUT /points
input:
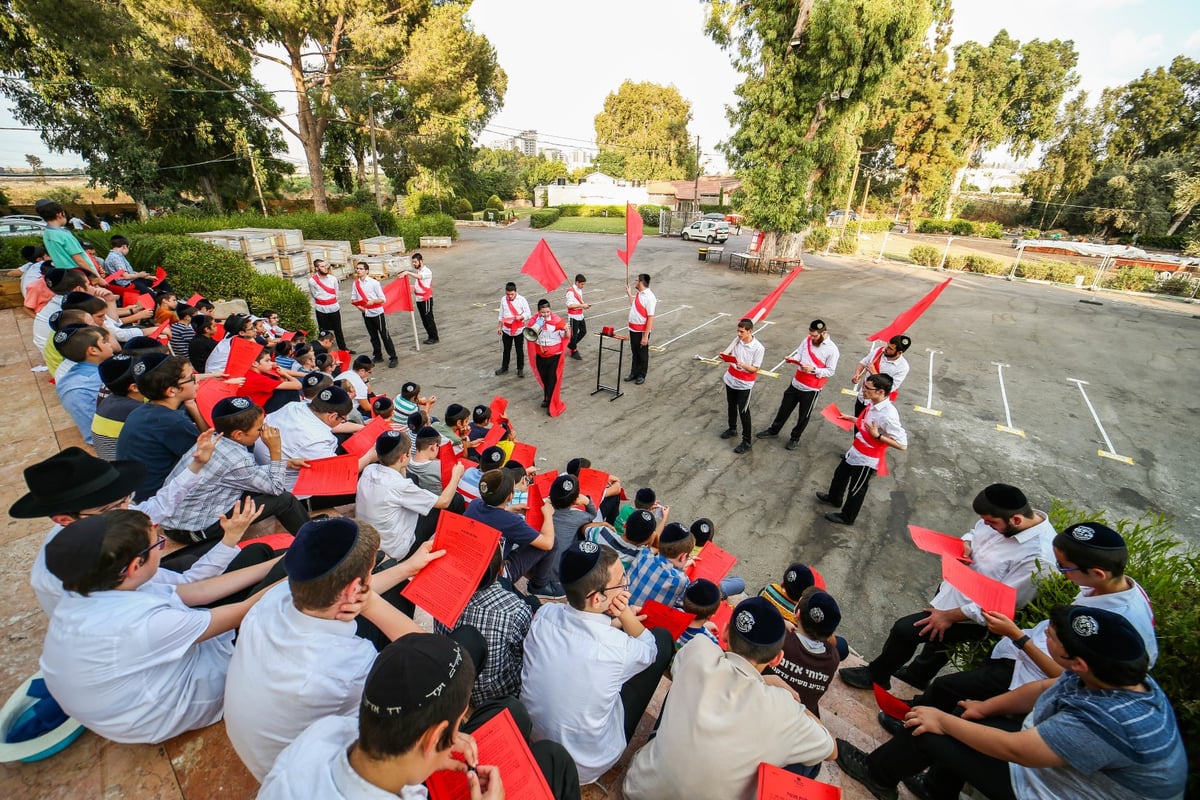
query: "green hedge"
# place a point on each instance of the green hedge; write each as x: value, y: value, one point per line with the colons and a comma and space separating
x: 1173, y: 242
x: 925, y: 255
x: 818, y: 239
x: 976, y: 263
x: 1168, y: 569
x: 1131, y: 279
x: 954, y: 227
x: 992, y: 230
x: 650, y: 214
x: 196, y: 266
x: 344, y: 226
x: 846, y: 245
x: 544, y: 218
x: 578, y: 210
x: 413, y: 228
x: 1055, y: 271
x: 10, y: 249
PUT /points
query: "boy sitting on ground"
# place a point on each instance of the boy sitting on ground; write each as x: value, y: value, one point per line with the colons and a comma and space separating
x: 572, y: 510
x: 78, y: 389
x: 526, y: 551
x: 662, y: 576
x: 701, y: 599
x: 640, y: 527
x: 123, y: 397
x: 786, y: 594
x: 810, y: 652
x: 704, y: 531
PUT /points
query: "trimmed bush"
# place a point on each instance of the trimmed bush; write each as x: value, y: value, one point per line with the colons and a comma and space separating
x: 925, y: 255
x: 494, y: 203
x: 384, y: 220
x: 992, y: 230
x: 544, y: 217
x: 196, y: 266
x: 463, y: 209
x: 1168, y: 569
x: 1176, y: 286
x: 872, y: 225
x: 962, y: 227
x: 413, y: 228
x: 1131, y: 279
x: 650, y: 214
x: 420, y: 203
x: 347, y: 225
x: 570, y: 209
x: 954, y: 227
x: 818, y: 239
x: 577, y: 210
x: 1055, y: 271
x: 984, y: 265
x: 846, y: 245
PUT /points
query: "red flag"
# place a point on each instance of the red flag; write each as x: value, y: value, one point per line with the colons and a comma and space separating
x: 544, y: 268
x: 901, y: 323
x: 633, y: 232
x: 763, y: 307
x: 397, y: 296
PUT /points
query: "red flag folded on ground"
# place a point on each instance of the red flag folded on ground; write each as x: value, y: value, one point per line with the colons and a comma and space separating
x: 633, y: 232
x: 160, y: 275
x: 544, y: 268
x: 397, y: 296
x: 902, y: 323
x: 760, y: 311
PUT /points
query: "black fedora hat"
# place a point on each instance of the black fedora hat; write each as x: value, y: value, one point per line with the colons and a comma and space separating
x: 74, y: 480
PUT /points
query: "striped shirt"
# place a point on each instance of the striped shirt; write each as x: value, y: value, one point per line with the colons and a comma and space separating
x: 777, y: 597
x: 691, y: 632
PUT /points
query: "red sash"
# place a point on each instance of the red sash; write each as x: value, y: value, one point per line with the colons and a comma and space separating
x: 638, y: 327
x: 423, y: 290
x: 742, y: 376
x: 867, y: 444
x: 877, y: 368
x: 513, y: 322
x: 807, y: 378
x: 364, y: 302
x: 577, y: 299
x: 555, y: 323
x: 328, y: 302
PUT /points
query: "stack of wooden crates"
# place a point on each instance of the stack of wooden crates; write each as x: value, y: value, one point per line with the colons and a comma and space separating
x: 384, y: 256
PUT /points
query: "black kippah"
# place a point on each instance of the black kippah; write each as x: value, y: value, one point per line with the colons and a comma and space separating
x: 796, y: 579
x: 428, y: 432
x: 758, y: 621
x: 817, y: 325
x: 562, y: 487
x: 640, y: 526
x: 1005, y: 497
x: 228, y: 406
x: 75, y: 550
x: 410, y: 673
x: 703, y: 592
x: 577, y: 561
x: 1095, y: 536
x: 382, y: 404
x: 645, y: 496
x: 822, y: 613
x: 319, y: 547
x: 1103, y: 634
x: 491, y: 458
x: 387, y: 442
x: 673, y: 532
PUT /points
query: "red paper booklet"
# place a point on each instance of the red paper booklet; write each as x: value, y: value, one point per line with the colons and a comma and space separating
x: 500, y: 745
x: 592, y: 483
x: 444, y: 586
x: 831, y: 413
x: 990, y: 594
x: 661, y: 616
x: 364, y: 440
x: 776, y: 783
x: 328, y: 476
x: 712, y: 563
x: 940, y: 544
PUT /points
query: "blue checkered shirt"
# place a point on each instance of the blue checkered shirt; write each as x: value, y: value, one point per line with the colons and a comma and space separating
x: 653, y: 578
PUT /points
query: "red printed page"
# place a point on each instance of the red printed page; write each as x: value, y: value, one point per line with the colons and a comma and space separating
x: 444, y: 586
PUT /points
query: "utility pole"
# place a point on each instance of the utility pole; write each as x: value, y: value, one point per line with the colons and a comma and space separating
x: 850, y: 196
x: 862, y: 210
x: 696, y: 185
x: 374, y: 152
x: 254, y: 171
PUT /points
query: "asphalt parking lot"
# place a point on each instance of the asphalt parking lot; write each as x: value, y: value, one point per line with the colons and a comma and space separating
x: 1135, y: 360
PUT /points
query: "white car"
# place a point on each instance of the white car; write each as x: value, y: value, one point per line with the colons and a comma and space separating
x: 708, y: 230
x: 21, y: 225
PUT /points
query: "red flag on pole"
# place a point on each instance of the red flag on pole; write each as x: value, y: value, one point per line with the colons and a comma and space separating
x: 397, y: 296
x: 901, y: 323
x: 764, y: 306
x: 544, y: 268
x: 633, y: 232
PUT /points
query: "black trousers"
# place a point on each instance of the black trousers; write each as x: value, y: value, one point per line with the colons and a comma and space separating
x: 377, y: 330
x: 794, y: 398
x: 290, y: 512
x: 639, y: 355
x: 639, y: 690
x: 737, y: 402
x: 425, y: 312
x: 578, y: 331
x: 857, y: 480
x: 332, y: 321
x: 556, y: 764
x: 547, y: 367
x: 989, y: 679
x: 951, y: 763
x: 905, y: 638
x: 511, y: 342
x: 528, y: 560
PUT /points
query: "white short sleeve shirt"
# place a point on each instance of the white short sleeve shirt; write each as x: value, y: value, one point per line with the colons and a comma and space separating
x: 393, y: 504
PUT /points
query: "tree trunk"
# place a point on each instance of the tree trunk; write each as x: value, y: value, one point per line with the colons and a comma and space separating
x: 143, y: 211
x: 360, y: 167
x: 210, y: 193
x: 310, y: 138
x: 1177, y: 220
x: 781, y: 245
x: 956, y: 184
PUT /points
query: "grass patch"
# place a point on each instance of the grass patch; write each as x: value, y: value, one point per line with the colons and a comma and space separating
x: 597, y: 225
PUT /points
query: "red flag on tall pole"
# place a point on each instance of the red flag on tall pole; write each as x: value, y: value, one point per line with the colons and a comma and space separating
x: 633, y: 232
x: 901, y: 323
x: 544, y: 268
x: 397, y: 296
x: 764, y: 306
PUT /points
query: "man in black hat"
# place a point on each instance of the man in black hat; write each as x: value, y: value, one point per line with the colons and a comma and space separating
x: 1103, y: 728
x: 160, y: 432
x: 1010, y: 543
x: 701, y: 748
x: 412, y: 722
x: 586, y: 679
x: 74, y: 485
x: 888, y: 360
x: 133, y: 659
x: 816, y: 360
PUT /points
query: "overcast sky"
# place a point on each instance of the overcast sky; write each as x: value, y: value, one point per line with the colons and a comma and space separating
x: 563, y: 57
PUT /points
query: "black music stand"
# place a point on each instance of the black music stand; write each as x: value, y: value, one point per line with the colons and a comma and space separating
x: 620, y: 351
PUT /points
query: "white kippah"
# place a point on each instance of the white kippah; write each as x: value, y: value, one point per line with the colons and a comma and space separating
x: 589, y: 547
x: 1085, y: 625
x: 325, y: 395
x: 1082, y: 533
x: 744, y: 621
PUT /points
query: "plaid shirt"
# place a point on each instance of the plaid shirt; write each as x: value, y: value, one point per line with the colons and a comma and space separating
x: 653, y: 578
x: 229, y: 474
x: 504, y: 619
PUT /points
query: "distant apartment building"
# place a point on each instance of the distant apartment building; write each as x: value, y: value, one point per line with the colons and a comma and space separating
x: 527, y: 142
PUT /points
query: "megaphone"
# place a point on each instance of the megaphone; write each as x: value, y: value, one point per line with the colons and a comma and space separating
x: 531, y: 332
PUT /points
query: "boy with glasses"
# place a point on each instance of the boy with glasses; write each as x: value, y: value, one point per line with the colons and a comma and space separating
x: 160, y: 432
x: 591, y: 667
